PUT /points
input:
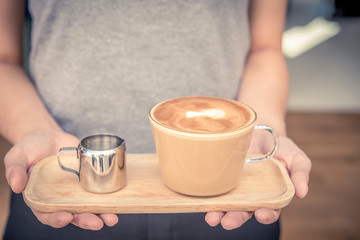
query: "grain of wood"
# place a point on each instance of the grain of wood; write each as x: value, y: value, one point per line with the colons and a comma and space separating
x: 49, y: 189
x: 331, y: 209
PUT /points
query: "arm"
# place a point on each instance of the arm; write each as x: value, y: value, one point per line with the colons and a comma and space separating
x: 264, y: 87
x: 25, y: 121
x: 21, y: 110
x: 265, y: 81
x: 265, y: 84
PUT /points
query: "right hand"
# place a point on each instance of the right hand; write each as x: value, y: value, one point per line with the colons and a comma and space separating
x: 19, y: 162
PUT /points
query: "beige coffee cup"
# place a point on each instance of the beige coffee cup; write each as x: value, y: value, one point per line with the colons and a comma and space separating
x: 202, y: 143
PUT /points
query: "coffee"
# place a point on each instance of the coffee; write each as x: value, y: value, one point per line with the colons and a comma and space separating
x: 202, y: 114
x: 201, y: 143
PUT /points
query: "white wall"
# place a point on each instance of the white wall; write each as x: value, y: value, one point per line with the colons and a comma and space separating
x: 327, y: 77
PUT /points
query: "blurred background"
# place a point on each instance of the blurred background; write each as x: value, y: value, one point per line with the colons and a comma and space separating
x: 324, y: 118
x: 322, y: 46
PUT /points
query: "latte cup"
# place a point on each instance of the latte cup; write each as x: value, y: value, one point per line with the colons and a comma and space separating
x: 101, y: 163
x: 202, y: 143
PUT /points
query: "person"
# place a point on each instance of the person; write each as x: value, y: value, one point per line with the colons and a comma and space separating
x: 99, y: 66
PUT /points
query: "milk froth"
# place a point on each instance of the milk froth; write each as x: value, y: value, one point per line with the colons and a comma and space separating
x: 200, y: 114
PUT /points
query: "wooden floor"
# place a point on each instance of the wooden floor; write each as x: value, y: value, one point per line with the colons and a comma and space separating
x: 332, y: 208
x: 4, y: 187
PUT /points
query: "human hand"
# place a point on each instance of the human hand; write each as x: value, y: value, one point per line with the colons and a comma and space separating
x: 19, y: 162
x: 298, y: 166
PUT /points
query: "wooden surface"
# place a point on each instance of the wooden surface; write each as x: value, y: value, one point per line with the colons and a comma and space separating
x: 49, y: 189
x: 331, y: 210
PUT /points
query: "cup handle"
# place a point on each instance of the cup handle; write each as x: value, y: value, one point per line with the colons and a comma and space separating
x: 62, y: 166
x: 272, y: 152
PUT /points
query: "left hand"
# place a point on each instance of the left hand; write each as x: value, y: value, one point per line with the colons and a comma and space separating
x: 298, y: 166
x: 19, y: 162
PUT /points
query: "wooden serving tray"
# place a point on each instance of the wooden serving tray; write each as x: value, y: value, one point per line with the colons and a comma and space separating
x: 263, y: 184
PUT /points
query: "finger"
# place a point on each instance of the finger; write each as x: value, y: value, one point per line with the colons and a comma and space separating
x: 267, y: 216
x: 297, y: 163
x: 235, y: 219
x: 55, y: 220
x: 299, y: 173
x: 16, y: 170
x: 300, y: 182
x: 109, y: 219
x: 88, y: 221
x: 214, y: 218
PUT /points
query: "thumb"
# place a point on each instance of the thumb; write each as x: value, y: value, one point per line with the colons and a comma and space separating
x: 16, y: 171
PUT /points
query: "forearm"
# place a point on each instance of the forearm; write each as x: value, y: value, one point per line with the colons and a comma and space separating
x: 265, y: 87
x: 21, y: 109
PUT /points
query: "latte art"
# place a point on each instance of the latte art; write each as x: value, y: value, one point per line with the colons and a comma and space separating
x: 214, y: 113
x: 202, y: 114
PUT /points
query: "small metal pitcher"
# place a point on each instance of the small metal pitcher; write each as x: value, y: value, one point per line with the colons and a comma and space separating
x: 101, y: 163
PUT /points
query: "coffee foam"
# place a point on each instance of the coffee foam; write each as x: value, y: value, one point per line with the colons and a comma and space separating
x: 202, y: 114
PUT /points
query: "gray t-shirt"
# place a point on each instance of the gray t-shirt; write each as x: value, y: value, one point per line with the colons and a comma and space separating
x: 99, y: 66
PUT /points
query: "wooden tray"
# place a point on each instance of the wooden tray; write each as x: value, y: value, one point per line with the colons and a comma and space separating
x: 263, y: 184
